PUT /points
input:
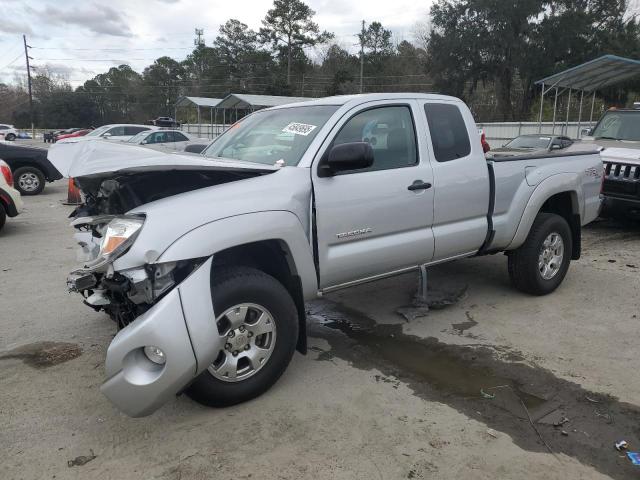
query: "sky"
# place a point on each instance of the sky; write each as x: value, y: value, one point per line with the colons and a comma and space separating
x: 78, y: 39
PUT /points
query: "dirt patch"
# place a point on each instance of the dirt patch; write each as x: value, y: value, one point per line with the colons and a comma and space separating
x: 44, y: 354
x: 503, y: 395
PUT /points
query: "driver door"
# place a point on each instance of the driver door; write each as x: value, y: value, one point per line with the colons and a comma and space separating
x: 369, y: 223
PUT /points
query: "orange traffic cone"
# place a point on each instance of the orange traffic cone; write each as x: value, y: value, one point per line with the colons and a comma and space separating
x: 73, y: 194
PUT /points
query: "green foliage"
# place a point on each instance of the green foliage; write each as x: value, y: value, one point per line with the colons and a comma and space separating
x: 488, y: 52
x: 487, y: 42
x: 289, y: 24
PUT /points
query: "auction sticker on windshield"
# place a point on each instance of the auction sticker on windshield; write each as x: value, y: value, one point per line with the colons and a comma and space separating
x: 299, y: 128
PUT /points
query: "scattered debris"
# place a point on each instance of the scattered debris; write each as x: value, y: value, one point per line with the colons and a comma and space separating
x: 491, y: 432
x: 592, y: 400
x: 81, y: 460
x: 630, y: 265
x: 462, y: 326
x: 565, y: 433
x: 622, y: 445
x: 611, y: 261
x: 561, y: 422
x: 486, y: 395
x: 607, y: 416
x: 634, y: 457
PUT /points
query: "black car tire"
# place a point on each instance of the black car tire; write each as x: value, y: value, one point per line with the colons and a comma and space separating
x: 242, y: 285
x: 10, y: 137
x: 32, y: 171
x: 524, y: 269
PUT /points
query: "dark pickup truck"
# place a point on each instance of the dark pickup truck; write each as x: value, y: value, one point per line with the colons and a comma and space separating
x: 618, y: 134
x: 30, y: 167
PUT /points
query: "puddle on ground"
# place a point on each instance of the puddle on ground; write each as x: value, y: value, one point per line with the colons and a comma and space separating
x: 502, y: 394
x: 44, y: 354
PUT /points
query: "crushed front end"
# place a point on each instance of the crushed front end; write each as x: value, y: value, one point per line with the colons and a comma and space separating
x: 163, y: 311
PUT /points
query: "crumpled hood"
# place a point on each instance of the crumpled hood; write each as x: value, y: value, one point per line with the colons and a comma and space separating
x: 94, y: 158
x: 288, y: 189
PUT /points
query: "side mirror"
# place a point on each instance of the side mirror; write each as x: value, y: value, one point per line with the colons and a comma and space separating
x: 556, y: 146
x: 106, y: 135
x: 350, y: 156
x: 195, y: 148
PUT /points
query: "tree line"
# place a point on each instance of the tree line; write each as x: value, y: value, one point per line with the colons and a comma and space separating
x: 487, y: 52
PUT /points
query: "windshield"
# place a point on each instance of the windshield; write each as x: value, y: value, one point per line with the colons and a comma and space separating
x: 619, y: 126
x: 272, y: 136
x: 98, y: 131
x: 529, y: 142
x: 138, y: 137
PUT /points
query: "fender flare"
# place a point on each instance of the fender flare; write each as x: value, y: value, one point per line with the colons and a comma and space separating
x: 560, y: 183
x: 219, y: 235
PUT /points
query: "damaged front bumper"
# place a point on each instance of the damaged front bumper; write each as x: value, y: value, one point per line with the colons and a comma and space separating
x: 182, y: 325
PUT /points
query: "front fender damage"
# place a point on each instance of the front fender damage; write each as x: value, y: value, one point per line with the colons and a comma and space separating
x: 182, y: 326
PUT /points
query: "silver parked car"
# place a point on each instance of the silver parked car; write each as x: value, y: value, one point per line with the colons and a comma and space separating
x: 166, y: 139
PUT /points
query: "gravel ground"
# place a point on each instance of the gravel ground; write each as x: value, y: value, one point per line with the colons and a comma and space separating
x: 448, y: 395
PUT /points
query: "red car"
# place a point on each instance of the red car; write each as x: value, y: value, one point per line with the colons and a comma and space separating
x: 77, y: 133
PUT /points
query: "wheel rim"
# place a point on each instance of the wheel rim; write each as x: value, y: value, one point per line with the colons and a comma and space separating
x: 29, y: 182
x: 250, y: 332
x: 551, y: 256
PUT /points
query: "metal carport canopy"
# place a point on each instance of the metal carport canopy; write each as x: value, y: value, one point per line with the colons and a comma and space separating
x: 250, y: 102
x: 595, y: 74
x: 198, y: 102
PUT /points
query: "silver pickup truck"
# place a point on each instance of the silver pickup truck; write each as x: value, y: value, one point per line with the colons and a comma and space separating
x: 205, y: 261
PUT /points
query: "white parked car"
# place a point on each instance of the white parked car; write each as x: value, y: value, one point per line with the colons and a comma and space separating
x: 166, y: 139
x: 8, y: 132
x: 116, y: 131
x: 10, y: 200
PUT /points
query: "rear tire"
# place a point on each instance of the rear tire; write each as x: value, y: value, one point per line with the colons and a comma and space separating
x: 238, y: 287
x: 28, y: 180
x: 537, y: 267
x: 11, y: 137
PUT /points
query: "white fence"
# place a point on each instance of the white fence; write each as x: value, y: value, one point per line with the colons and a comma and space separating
x: 499, y: 133
x: 203, y: 130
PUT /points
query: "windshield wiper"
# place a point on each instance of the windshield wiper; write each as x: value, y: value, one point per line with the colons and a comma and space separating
x: 607, y: 138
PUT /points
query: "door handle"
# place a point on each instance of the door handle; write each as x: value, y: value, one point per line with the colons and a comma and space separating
x: 419, y: 185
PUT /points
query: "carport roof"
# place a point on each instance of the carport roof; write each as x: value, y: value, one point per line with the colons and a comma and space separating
x: 600, y: 72
x: 198, y: 102
x: 241, y: 100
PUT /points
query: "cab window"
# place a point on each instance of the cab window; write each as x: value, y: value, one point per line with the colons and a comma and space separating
x: 449, y: 135
x: 390, y: 132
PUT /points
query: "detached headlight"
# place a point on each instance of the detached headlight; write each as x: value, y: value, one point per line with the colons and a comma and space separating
x: 120, y: 234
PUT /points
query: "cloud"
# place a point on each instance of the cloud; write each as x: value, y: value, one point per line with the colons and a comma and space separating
x: 97, y: 18
x: 9, y: 26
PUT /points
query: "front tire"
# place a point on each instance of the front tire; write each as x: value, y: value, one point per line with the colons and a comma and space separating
x: 11, y: 137
x: 260, y: 320
x: 541, y: 263
x: 29, y: 180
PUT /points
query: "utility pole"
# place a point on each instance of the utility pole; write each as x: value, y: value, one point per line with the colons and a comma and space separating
x: 302, y: 87
x: 361, y: 55
x: 27, y: 58
x: 199, y: 40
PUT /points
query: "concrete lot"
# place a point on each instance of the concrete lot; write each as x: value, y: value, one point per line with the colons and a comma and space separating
x: 443, y: 396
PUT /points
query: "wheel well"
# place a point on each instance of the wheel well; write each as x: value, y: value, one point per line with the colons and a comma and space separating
x: 565, y: 204
x: 16, y: 164
x: 274, y: 258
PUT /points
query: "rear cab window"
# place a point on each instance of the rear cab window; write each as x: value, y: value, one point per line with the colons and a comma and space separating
x: 448, y: 130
